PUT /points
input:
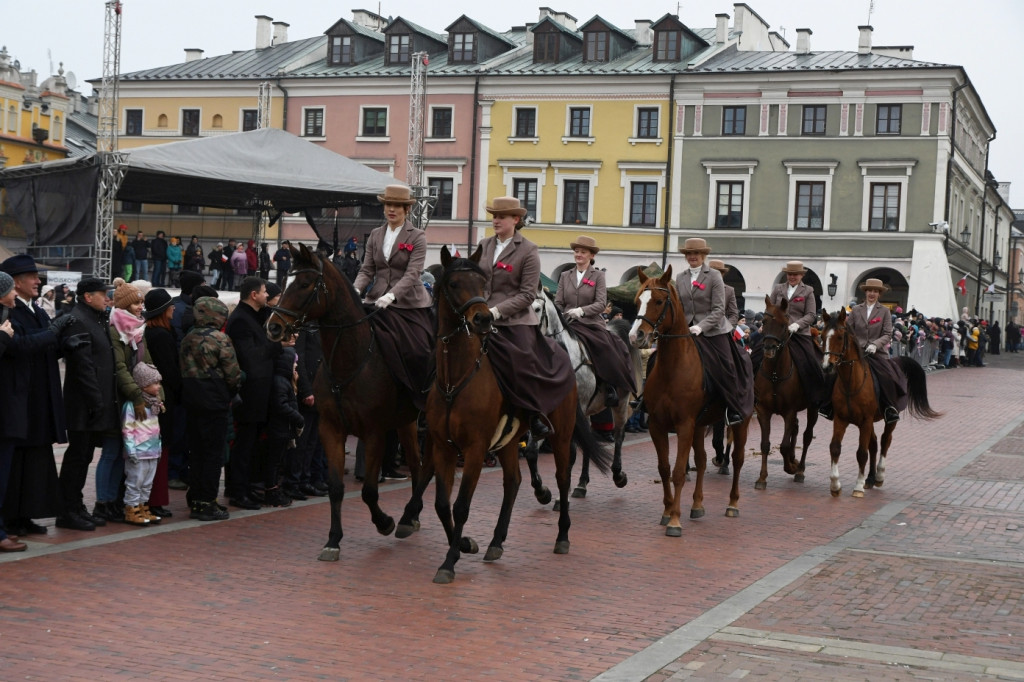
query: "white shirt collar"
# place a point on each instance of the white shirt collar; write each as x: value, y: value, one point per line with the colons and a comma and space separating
x: 390, y: 237
x: 26, y: 301
x: 790, y: 291
x: 579, y: 276
x: 694, y: 272
x: 499, y: 246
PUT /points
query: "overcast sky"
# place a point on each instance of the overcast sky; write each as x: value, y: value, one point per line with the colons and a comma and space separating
x: 980, y: 35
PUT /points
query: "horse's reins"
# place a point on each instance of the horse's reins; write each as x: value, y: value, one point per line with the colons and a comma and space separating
x: 774, y: 378
x: 655, y: 334
x: 849, y: 392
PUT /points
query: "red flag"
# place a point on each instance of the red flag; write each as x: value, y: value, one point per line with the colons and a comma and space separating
x: 455, y: 251
x: 962, y: 285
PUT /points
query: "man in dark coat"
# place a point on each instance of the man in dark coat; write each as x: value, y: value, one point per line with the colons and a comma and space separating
x: 158, y: 247
x: 90, y: 400
x: 32, y: 403
x: 299, y: 481
x: 140, y: 249
x: 256, y: 355
x: 283, y: 258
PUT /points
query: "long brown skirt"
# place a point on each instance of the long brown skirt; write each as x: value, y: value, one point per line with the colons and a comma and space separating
x: 533, y: 371
x: 406, y: 339
x: 730, y: 371
x: 608, y: 354
x: 808, y: 367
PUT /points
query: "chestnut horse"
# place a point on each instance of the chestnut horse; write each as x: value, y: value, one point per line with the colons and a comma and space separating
x: 678, y: 400
x: 355, y: 392
x: 467, y: 414
x: 777, y: 390
x: 854, y: 402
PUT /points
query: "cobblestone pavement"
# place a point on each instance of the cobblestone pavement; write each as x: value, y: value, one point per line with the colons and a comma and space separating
x: 920, y: 579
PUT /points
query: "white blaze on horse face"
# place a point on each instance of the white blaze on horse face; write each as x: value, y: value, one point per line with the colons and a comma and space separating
x: 828, y: 338
x: 645, y: 298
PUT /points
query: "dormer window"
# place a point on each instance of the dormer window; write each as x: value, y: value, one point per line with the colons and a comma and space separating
x: 398, y: 49
x: 667, y: 46
x: 463, y: 48
x: 341, y: 51
x: 545, y: 47
x: 596, y: 46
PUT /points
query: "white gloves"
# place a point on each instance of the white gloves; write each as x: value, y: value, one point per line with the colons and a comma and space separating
x: 870, y: 350
x: 385, y: 300
x: 495, y: 314
x: 793, y: 328
x: 695, y: 330
x: 574, y: 312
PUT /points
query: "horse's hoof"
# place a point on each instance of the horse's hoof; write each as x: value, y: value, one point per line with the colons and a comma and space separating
x: 799, y: 478
x: 857, y: 493
x: 724, y: 471
x: 620, y: 480
x: 664, y: 521
x: 543, y: 495
x: 388, y: 528
x: 579, y: 492
x: 760, y: 485
x: 444, y: 576
x: 674, y: 532
x: 562, y: 547
x: 493, y: 554
x: 878, y: 483
x: 557, y: 506
x: 329, y: 554
x: 732, y: 512
x: 404, y: 530
x: 836, y: 493
x: 696, y: 513
x: 469, y: 546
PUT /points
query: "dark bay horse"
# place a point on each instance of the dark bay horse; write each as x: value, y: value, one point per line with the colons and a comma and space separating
x: 355, y: 392
x: 467, y: 414
x: 854, y: 402
x: 677, y: 399
x: 777, y: 390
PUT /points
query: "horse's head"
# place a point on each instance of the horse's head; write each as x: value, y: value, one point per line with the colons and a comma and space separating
x: 835, y: 341
x: 550, y: 320
x: 775, y: 327
x: 305, y: 297
x: 464, y: 289
x: 656, y: 305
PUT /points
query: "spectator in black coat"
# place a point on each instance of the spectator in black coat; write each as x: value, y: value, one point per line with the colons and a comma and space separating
x: 305, y: 468
x: 284, y: 424
x: 283, y: 258
x: 265, y: 262
x: 140, y: 249
x: 158, y: 247
x: 7, y: 298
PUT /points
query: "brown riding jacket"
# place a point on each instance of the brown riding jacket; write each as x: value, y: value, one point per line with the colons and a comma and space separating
x: 514, y: 283
x: 399, y: 275
x: 591, y: 295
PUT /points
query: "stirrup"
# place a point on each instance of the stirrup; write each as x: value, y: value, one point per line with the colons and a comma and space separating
x: 827, y: 412
x: 891, y: 415
x: 611, y: 397
x: 539, y: 427
x: 732, y: 417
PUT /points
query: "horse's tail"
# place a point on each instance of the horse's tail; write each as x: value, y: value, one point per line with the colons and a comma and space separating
x: 584, y: 437
x: 917, y: 389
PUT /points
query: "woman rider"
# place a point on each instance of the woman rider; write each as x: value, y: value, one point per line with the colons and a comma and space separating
x: 702, y: 292
x: 582, y: 297
x: 534, y: 373
x: 802, y: 311
x: 392, y: 266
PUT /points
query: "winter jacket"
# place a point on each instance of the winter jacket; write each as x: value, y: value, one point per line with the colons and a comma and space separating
x: 141, y: 438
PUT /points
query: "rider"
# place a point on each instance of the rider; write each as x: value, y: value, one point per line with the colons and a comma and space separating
x: 802, y: 311
x: 392, y: 265
x: 582, y: 297
x: 871, y: 324
x: 732, y: 310
x: 702, y: 292
x: 534, y: 372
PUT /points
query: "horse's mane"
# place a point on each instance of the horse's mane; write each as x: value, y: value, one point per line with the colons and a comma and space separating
x: 314, y: 260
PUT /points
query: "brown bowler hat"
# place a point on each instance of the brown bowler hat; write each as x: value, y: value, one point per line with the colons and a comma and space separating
x: 506, y: 206
x: 718, y: 265
x: 695, y: 244
x: 585, y: 242
x: 872, y: 283
x: 794, y: 267
x: 397, y: 194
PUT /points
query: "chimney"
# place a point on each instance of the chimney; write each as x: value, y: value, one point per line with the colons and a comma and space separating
x: 280, y: 33
x: 864, y: 44
x: 263, y: 31
x: 722, y: 28
x: 643, y: 34
x: 193, y: 54
x: 803, y: 40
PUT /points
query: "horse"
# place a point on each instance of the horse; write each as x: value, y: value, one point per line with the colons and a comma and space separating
x: 552, y: 324
x: 778, y: 390
x: 854, y: 402
x: 467, y: 414
x: 354, y: 390
x: 677, y: 399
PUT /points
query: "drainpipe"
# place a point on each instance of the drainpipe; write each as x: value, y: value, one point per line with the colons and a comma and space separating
x: 284, y: 108
x: 668, y: 168
x: 981, y: 244
x: 952, y: 150
x: 472, y: 166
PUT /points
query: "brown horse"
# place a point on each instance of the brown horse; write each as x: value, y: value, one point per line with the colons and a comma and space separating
x: 777, y: 390
x: 467, y: 414
x: 854, y: 402
x: 355, y: 392
x: 677, y: 399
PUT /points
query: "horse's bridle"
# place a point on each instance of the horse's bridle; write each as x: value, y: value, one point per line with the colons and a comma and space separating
x: 842, y: 353
x: 780, y: 344
x: 460, y: 312
x: 655, y: 334
x: 299, y: 317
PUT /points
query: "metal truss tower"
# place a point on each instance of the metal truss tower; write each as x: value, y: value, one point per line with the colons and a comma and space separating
x: 112, y: 162
x: 425, y: 200
x: 259, y: 213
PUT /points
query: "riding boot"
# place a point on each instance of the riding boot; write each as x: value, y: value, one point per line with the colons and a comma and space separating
x: 539, y: 427
x: 732, y: 417
x: 611, y: 396
x: 891, y: 414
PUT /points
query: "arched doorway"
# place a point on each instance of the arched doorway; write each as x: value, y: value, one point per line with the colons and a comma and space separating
x: 899, y: 289
x: 811, y: 280
x: 735, y: 279
x: 557, y: 272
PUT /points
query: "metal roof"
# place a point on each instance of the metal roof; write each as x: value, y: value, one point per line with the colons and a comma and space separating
x: 80, y: 134
x: 731, y: 60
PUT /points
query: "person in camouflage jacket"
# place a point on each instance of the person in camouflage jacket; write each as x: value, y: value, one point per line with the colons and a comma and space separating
x: 210, y: 377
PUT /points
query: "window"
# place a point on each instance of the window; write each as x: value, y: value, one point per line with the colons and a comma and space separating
x: 133, y: 121
x: 441, y: 122
x: 462, y: 47
x: 398, y: 49
x: 596, y: 47
x: 375, y: 122
x: 57, y: 129
x: 341, y: 50
x: 889, y: 117
x: 131, y: 207
x: 810, y: 206
x: 526, y: 192
x: 545, y: 47
x: 666, y: 46
x: 647, y: 122
x: 885, y: 206
x: 190, y: 122
x: 577, y: 200
x: 643, y: 204
x: 188, y: 209
x: 12, y: 119
x: 734, y: 120
x: 814, y: 120
x: 526, y: 123
x: 445, y: 195
x: 579, y: 122
x: 313, y: 122
x: 729, y: 211
x: 249, y: 119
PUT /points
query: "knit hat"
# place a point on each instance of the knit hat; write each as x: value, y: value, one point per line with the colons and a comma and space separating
x: 145, y: 374
x: 125, y: 295
x: 189, y: 280
x: 6, y: 284
x: 273, y: 289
